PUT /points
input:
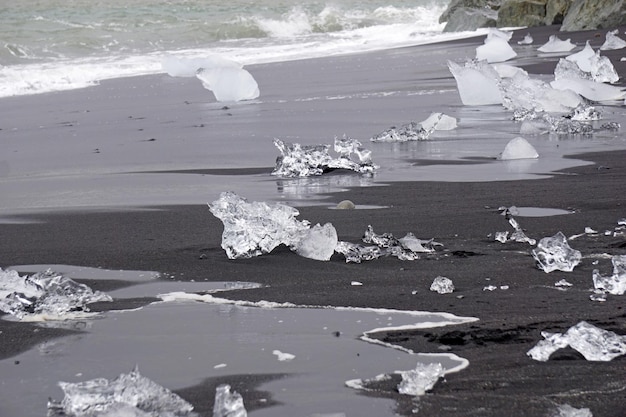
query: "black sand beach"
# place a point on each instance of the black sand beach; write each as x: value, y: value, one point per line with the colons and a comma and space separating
x: 183, y: 243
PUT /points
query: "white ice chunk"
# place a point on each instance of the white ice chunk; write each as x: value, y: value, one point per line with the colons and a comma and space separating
x: 477, y: 83
x: 251, y: 229
x: 128, y: 393
x: 555, y: 254
x: 593, y: 343
x: 616, y: 283
x: 408, y: 132
x: 522, y: 93
x: 497, y: 33
x: 495, y: 49
x: 555, y: 44
x: 229, y: 83
x: 584, y: 113
x: 567, y: 126
x: 613, y: 41
x: 45, y: 295
x: 442, y: 285
x: 583, y: 57
x: 421, y: 379
x: 570, y: 69
x: 518, y: 148
x: 356, y: 253
x: 318, y: 242
x: 283, y: 356
x: 591, y: 90
x: 438, y: 121
x: 528, y: 40
x: 508, y: 71
x: 566, y: 410
x: 227, y: 403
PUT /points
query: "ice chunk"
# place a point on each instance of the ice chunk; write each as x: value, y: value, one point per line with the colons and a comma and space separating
x: 567, y: 126
x: 583, y: 58
x: 477, y: 83
x: 251, y: 229
x: 591, y: 90
x: 227, y: 403
x: 570, y: 69
x: 522, y: 93
x: 47, y: 295
x: 132, y: 393
x: 591, y: 64
x: 495, y: 49
x: 358, y: 253
x: 442, y: 285
x: 613, y: 41
x: 566, y: 410
x: 438, y: 121
x: 318, y: 243
x: 518, y: 148
x: 528, y: 40
x: 408, y: 132
x: 616, y: 283
x: 555, y: 254
x: 421, y: 379
x: 555, y: 44
x: 283, y: 356
x: 508, y: 71
x: 586, y: 113
x: 518, y: 234
x: 229, y: 83
x: 501, y: 237
x: 298, y: 160
x: 593, y: 343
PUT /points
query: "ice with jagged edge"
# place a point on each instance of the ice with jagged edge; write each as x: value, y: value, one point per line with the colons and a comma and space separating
x: 45, y: 295
x: 477, y: 82
x: 298, y: 160
x: 521, y: 92
x: 589, y: 89
x: 518, y: 148
x: 567, y: 126
x: 612, y: 41
x: 495, y: 49
x: 227, y: 403
x: 407, y: 248
x: 595, y: 67
x: 528, y: 40
x: 555, y: 44
x: 616, y: 283
x: 442, y: 285
x: 593, y: 343
x: 518, y: 234
x: 227, y: 79
x: 421, y: 379
x: 438, y: 121
x: 566, y: 410
x: 555, y: 254
x: 318, y: 242
x: 416, y: 131
x: 129, y: 394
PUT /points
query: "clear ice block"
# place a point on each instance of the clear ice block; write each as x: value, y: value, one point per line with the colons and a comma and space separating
x: 555, y: 44
x: 612, y: 41
x: 318, y: 242
x: 408, y: 132
x: 616, y: 283
x: 227, y: 403
x: 442, y: 285
x: 555, y: 254
x: 421, y: 379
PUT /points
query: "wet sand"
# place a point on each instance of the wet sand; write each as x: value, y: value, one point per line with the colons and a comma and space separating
x: 183, y: 241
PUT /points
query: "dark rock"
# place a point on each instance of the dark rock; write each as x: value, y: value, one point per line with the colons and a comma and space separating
x: 594, y: 14
x: 556, y: 11
x: 522, y: 13
x: 465, y: 18
x: 479, y: 5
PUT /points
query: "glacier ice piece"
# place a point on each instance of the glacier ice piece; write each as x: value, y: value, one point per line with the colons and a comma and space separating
x: 477, y: 82
x: 566, y: 68
x: 583, y: 57
x: 501, y: 237
x: 438, y: 121
x: 567, y: 126
x: 283, y: 356
x: 128, y: 393
x: 593, y: 343
x: 251, y: 229
x: 508, y: 71
x: 518, y: 148
x: 616, y: 283
x: 591, y: 64
x: 518, y: 234
x: 229, y: 83
x: 555, y: 254
x: 227, y: 403
x: 356, y: 253
x: 585, y: 113
x: 612, y: 41
x: 298, y: 160
x: 495, y: 49
x: 421, y: 379
x: 45, y: 294
x: 442, y: 285
x: 408, y: 132
x: 521, y: 92
x: 566, y: 410
x: 318, y: 242
x: 555, y: 44
x: 528, y: 40
x: 602, y: 70
x: 589, y: 89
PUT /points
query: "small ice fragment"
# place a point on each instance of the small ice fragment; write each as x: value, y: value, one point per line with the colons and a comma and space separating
x: 490, y: 288
x: 562, y: 283
x: 528, y: 40
x: 130, y: 392
x: 220, y: 365
x: 502, y: 237
x: 555, y: 44
x: 599, y: 296
x: 408, y: 132
x: 421, y: 379
x: 227, y: 403
x: 567, y: 126
x: 593, y: 343
x: 477, y: 82
x: 589, y: 230
x: 554, y: 253
x: 616, y: 283
x: 358, y: 253
x: 504, y: 287
x: 283, y: 356
x: 518, y: 148
x: 442, y: 285
x: 495, y: 49
x: 412, y: 243
x: 566, y: 410
x: 518, y: 234
x: 586, y: 113
x: 318, y: 242
x: 438, y: 121
x: 613, y: 41
x: 356, y: 283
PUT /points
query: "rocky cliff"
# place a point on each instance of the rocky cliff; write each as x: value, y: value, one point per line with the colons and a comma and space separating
x: 570, y: 14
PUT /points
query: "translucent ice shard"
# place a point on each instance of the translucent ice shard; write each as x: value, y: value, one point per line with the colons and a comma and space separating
x: 567, y: 126
x: 518, y: 234
x: 528, y: 40
x: 442, y: 285
x: 591, y: 90
x: 555, y: 44
x: 229, y: 83
x: 133, y: 393
x: 555, y: 254
x: 438, y: 121
x: 566, y: 68
x: 298, y: 160
x: 356, y: 253
x: 318, y: 242
x: 566, y: 410
x: 495, y: 49
x: 518, y: 148
x: 227, y: 403
x: 529, y: 94
x: 477, y: 82
x: 593, y: 343
x: 586, y: 113
x: 408, y: 132
x: 251, y: 229
x: 583, y: 57
x: 45, y: 295
x: 613, y: 41
x: 616, y: 283
x: 421, y: 379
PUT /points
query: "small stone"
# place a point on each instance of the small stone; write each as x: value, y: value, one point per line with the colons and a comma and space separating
x: 345, y: 205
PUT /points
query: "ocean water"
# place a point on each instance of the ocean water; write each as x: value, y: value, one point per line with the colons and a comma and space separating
x: 52, y: 45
